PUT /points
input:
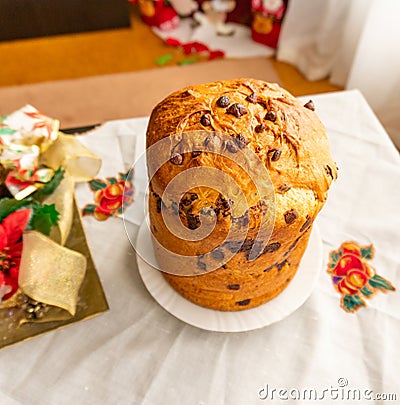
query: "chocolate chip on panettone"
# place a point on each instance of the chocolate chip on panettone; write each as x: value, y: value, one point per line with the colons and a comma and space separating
x: 212, y: 141
x: 310, y: 105
x: 231, y: 147
x: 268, y: 269
x: 193, y: 221
x: 186, y: 93
x: 270, y: 116
x: 291, y: 216
x: 196, y: 153
x: 272, y: 247
x: 237, y: 110
x: 223, y: 102
x: 208, y: 140
x: 275, y: 154
x: 175, y: 208
x: 328, y: 171
x: 241, y: 141
x: 176, y: 159
x: 283, y: 188
x: 232, y: 245
x: 306, y: 224
x: 293, y: 245
x: 233, y: 287
x: 252, y: 98
x: 159, y: 203
x: 205, y: 120
x: 217, y: 254
x: 243, y: 302
x: 201, y: 265
x: 281, y: 265
x: 186, y: 202
x: 259, y: 128
x: 247, y: 245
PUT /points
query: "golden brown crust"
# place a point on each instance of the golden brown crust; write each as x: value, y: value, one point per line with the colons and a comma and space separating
x: 291, y: 142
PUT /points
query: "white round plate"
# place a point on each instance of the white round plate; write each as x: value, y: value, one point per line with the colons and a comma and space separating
x: 296, y: 293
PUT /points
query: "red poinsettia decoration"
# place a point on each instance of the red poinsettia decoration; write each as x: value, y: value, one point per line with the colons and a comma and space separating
x: 11, y: 230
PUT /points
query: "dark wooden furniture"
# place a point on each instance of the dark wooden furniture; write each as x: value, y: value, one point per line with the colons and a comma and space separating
x: 37, y: 18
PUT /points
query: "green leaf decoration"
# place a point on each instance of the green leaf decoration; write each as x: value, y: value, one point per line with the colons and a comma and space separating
x: 112, y: 180
x: 187, y: 61
x: 51, y: 186
x: 44, y: 218
x: 88, y: 209
x: 7, y: 131
x: 97, y: 184
x: 366, y: 292
x: 335, y: 258
x: 380, y: 283
x: 366, y: 252
x: 9, y: 205
x: 127, y: 176
x: 162, y: 60
x: 352, y: 302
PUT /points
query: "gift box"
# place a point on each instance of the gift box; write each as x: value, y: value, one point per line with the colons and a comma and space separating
x: 47, y: 275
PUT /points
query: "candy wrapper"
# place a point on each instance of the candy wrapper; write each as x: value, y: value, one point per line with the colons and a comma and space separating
x: 47, y: 277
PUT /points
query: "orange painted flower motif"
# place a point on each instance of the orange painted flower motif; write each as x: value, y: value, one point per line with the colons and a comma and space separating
x: 111, y: 196
x: 353, y: 277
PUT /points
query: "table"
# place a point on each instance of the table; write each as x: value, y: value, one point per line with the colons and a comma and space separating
x: 137, y: 353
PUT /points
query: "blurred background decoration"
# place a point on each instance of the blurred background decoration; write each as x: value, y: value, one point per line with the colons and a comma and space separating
x: 349, y: 44
x: 355, y: 43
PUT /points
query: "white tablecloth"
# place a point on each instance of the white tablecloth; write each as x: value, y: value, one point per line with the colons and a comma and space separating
x: 137, y: 353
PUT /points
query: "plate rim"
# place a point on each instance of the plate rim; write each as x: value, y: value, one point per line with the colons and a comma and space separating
x: 231, y: 321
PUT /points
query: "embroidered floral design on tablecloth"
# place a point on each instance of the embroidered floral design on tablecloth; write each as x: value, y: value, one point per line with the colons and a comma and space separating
x: 111, y: 196
x: 353, y: 277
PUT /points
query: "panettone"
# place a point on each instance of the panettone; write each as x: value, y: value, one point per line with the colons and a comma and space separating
x: 293, y: 162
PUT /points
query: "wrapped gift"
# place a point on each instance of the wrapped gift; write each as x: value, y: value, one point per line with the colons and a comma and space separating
x: 46, y: 273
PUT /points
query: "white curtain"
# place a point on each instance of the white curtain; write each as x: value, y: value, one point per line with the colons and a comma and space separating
x: 354, y: 42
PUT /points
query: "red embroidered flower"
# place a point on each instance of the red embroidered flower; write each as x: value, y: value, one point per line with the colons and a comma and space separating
x: 110, y: 197
x: 351, y: 272
x: 108, y: 200
x: 11, y: 230
x: 353, y: 277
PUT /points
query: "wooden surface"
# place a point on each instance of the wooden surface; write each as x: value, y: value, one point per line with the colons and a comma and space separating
x: 106, y: 52
x: 95, y: 99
